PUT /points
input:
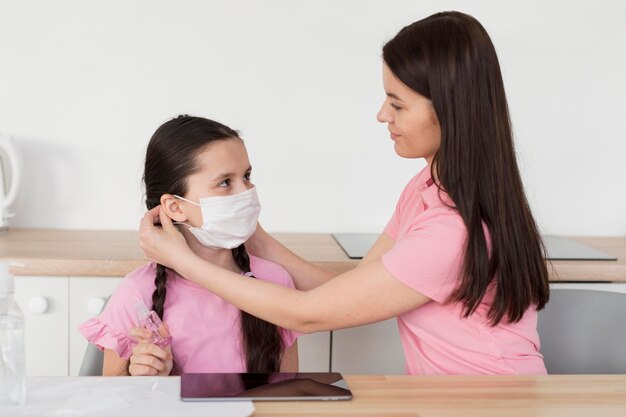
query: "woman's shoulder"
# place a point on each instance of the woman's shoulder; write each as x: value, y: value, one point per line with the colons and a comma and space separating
x: 421, y: 178
x: 416, y: 185
x: 270, y: 271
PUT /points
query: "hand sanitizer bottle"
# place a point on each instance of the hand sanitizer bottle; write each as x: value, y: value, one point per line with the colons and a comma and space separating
x: 12, y: 356
x: 149, y: 320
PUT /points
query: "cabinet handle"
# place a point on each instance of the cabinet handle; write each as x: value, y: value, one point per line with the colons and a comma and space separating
x: 95, y: 304
x: 38, y: 305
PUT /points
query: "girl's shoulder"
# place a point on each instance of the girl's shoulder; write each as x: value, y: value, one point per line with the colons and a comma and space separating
x: 270, y: 271
x: 142, y: 278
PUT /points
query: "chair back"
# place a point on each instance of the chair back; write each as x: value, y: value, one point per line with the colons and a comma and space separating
x: 93, y: 358
x: 583, y: 332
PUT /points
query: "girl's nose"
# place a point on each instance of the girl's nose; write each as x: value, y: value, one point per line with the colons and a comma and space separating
x: 243, y: 186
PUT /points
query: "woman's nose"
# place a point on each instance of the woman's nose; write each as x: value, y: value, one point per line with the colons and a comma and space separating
x: 383, y: 115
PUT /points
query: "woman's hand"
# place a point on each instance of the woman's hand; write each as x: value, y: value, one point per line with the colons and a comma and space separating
x: 164, y: 245
x: 258, y: 242
x: 148, y: 359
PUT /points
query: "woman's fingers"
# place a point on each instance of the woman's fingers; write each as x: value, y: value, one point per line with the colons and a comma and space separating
x: 165, y: 244
x: 166, y: 222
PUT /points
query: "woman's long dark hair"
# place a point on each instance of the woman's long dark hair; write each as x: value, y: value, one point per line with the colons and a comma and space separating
x: 449, y: 58
x: 170, y: 160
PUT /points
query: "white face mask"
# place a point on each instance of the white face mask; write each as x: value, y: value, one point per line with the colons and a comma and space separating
x: 227, y: 221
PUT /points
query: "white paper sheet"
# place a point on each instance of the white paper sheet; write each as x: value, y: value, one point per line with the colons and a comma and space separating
x: 119, y: 396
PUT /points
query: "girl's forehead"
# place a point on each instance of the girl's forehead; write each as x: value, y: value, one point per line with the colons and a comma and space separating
x: 221, y: 154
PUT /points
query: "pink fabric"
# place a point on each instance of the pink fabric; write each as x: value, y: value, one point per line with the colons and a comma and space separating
x: 427, y: 256
x: 205, y: 329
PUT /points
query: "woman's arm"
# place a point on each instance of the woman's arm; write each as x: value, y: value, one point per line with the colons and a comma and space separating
x: 383, y: 244
x: 305, y: 275
x: 289, y: 363
x: 363, y: 295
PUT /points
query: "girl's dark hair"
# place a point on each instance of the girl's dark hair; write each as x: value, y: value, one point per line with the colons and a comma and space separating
x: 170, y: 160
x: 449, y: 58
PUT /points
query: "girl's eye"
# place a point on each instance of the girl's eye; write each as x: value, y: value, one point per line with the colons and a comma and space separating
x: 225, y: 183
x: 247, y: 176
x: 396, y: 107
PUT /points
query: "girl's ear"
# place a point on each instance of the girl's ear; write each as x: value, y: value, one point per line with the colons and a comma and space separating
x: 172, y: 208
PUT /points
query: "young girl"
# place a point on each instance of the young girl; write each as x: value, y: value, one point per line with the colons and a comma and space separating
x: 460, y: 262
x: 198, y: 171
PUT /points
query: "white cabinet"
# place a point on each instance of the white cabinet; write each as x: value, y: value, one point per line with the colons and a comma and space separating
x: 87, y: 296
x: 53, y: 307
x: 371, y: 349
x: 597, y: 286
x: 314, y: 352
x: 44, y: 302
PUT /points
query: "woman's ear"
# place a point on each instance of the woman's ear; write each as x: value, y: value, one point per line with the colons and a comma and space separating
x: 172, y: 208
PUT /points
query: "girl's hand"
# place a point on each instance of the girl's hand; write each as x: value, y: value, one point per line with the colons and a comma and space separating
x: 148, y: 359
x: 164, y: 245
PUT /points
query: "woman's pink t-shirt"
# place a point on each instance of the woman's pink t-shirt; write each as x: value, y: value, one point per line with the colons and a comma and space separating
x: 427, y: 256
x: 205, y: 329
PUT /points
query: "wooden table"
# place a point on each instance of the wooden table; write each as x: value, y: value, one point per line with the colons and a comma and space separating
x: 380, y: 396
x: 469, y: 396
x: 115, y: 253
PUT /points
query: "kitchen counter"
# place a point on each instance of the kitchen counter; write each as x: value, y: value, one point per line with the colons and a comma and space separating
x: 115, y: 253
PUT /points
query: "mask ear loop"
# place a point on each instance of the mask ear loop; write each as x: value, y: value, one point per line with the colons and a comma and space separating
x: 189, y: 201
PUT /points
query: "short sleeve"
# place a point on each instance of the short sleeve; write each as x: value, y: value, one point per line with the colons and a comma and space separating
x: 110, y: 329
x: 429, y: 258
x: 393, y: 226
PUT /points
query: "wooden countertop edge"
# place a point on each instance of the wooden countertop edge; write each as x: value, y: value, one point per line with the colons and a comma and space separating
x: 115, y: 253
x: 109, y: 267
x: 120, y: 267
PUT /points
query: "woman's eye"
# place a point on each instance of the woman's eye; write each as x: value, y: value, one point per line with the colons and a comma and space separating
x: 225, y: 183
x: 247, y: 176
x: 396, y: 107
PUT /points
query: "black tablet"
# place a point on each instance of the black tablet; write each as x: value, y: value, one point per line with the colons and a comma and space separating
x: 277, y: 386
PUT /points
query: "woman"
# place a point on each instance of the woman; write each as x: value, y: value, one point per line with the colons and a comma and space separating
x: 460, y: 262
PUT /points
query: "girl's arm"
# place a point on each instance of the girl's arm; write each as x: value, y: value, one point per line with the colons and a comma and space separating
x: 363, y: 295
x: 113, y: 365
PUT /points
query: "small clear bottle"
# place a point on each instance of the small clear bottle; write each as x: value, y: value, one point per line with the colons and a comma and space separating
x: 12, y: 356
x: 149, y: 320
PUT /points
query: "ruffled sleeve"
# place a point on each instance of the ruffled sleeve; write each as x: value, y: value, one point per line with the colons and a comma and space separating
x: 104, y: 336
x: 111, y: 329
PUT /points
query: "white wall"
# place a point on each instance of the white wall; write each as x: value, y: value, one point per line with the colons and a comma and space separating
x: 84, y: 84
